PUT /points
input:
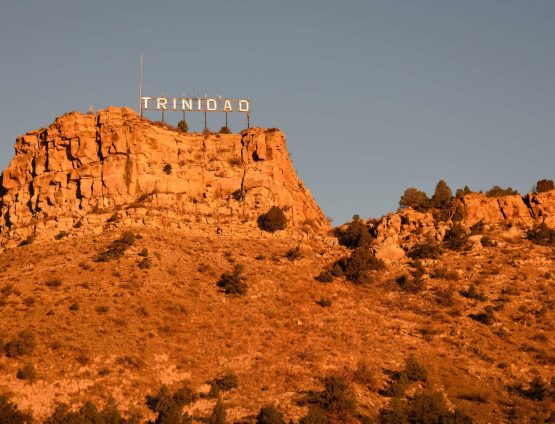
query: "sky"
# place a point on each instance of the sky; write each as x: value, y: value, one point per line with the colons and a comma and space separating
x: 373, y: 96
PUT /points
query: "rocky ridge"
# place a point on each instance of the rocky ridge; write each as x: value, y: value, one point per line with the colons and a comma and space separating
x: 515, y: 212
x: 84, y: 172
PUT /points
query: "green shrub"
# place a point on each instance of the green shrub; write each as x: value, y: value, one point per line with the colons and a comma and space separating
x: 324, y: 302
x: 324, y: 277
x: 113, y: 218
x: 168, y: 407
x: 397, y: 386
x: 182, y: 126
x: 410, y: 284
x: 23, y: 344
x: 89, y: 413
x: 486, y: 317
x: 425, y: 407
x: 442, y: 195
x: 486, y: 241
x: 459, y: 214
x: 445, y: 296
x: 462, y: 191
x: 167, y: 169
x: 61, y: 235
x: 356, y: 234
x: 294, y: 254
x: 414, y: 198
x: 117, y: 248
x: 145, y: 263
x: 270, y: 415
x: 225, y: 382
x: 544, y: 185
x: 538, y: 390
x: 456, y: 238
x: 239, y: 194
x: 415, y: 282
x: 477, y: 228
x: 414, y: 370
x: 315, y: 415
x: 473, y: 293
x: 218, y: 415
x: 428, y: 249
x: 10, y: 413
x: 336, y: 399
x: 27, y: 241
x: 361, y: 261
x: 542, y: 235
x: 225, y: 130
x: 233, y: 282
x: 339, y: 267
x: 27, y: 372
x: 53, y: 283
x: 273, y: 220
x: 497, y: 191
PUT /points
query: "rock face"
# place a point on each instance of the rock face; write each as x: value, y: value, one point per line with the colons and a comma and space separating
x: 408, y: 226
x: 84, y: 169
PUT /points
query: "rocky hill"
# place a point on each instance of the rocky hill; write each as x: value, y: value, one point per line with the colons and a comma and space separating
x: 85, y: 169
x: 396, y: 232
x: 133, y: 275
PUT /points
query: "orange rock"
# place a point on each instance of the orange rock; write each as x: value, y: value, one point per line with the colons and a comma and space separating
x: 115, y: 159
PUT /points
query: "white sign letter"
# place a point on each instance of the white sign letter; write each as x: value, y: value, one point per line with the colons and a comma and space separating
x: 145, y: 101
x: 161, y: 103
x: 187, y: 104
x: 198, y: 104
x: 227, y: 106
x: 174, y: 103
x: 244, y: 105
x: 211, y: 104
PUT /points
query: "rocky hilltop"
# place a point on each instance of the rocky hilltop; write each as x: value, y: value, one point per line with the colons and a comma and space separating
x: 84, y: 171
x: 396, y: 232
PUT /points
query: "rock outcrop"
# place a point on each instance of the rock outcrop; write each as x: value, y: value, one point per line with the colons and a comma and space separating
x: 114, y: 165
x: 408, y: 226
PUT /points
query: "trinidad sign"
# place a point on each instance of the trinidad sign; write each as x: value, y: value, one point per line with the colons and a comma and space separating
x: 192, y: 104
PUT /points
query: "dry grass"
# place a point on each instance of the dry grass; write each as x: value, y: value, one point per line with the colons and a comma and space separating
x: 136, y: 329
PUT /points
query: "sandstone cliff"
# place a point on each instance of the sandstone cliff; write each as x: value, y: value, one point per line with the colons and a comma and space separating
x: 85, y: 170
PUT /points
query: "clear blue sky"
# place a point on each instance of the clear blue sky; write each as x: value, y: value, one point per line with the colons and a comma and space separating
x: 374, y: 96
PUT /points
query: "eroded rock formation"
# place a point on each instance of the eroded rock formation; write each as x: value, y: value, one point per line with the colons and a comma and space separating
x: 84, y: 169
x: 408, y: 226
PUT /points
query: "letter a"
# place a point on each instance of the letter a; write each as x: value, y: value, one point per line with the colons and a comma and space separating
x: 227, y: 106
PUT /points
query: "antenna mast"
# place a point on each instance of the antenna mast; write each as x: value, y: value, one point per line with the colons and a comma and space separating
x: 141, y: 87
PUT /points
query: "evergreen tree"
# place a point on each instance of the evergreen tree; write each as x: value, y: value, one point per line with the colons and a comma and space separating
x: 414, y: 198
x: 442, y: 195
x: 182, y: 126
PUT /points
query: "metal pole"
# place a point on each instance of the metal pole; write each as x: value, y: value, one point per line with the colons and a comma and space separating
x: 226, y: 119
x: 141, y: 87
x: 184, y: 110
x: 248, y: 120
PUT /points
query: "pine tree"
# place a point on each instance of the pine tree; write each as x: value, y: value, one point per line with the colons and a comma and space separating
x: 182, y: 126
x: 442, y: 196
x: 414, y: 198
